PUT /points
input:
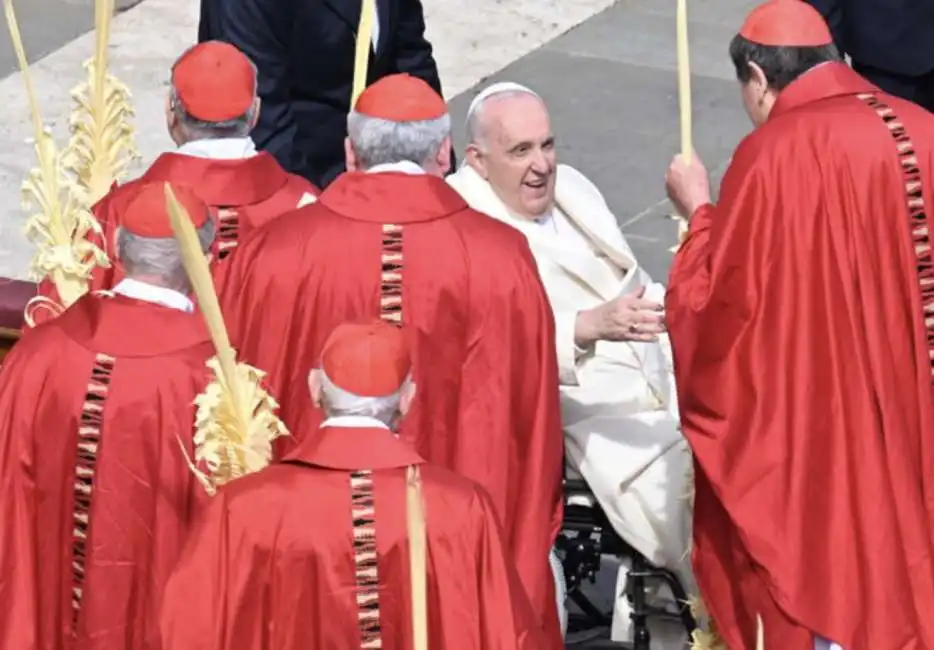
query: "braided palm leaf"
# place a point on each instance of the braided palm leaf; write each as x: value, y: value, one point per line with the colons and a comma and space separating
x: 236, y: 419
x: 62, y: 222
x: 101, y: 146
x: 235, y: 425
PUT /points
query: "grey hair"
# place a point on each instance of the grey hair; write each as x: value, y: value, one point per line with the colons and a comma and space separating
x: 476, y: 131
x: 160, y: 257
x: 337, y: 402
x: 196, y: 129
x: 377, y: 141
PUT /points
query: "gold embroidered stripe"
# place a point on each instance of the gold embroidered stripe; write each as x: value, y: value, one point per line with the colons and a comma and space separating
x: 917, y: 213
x: 88, y: 448
x: 228, y: 231
x: 365, y: 558
x: 390, y: 294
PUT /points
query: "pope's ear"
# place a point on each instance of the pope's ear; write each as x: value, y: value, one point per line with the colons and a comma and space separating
x: 474, y: 157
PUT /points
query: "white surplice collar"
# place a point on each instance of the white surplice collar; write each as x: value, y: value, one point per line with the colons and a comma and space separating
x: 151, y: 293
x: 219, y: 148
x: 404, y: 166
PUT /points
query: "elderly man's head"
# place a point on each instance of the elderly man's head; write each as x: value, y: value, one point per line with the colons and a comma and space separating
x: 778, y: 42
x: 399, y: 119
x: 212, y: 95
x: 365, y: 372
x: 146, y: 246
x: 512, y: 146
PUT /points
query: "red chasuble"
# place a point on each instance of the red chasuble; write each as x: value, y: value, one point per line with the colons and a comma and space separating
x: 95, y: 494
x: 408, y: 249
x: 247, y: 192
x: 799, y: 310
x: 313, y: 554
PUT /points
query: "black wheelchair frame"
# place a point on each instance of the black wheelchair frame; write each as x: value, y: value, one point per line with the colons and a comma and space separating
x: 585, y: 537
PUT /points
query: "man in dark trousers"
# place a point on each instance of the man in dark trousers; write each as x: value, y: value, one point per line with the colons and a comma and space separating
x: 304, y: 50
x: 889, y: 43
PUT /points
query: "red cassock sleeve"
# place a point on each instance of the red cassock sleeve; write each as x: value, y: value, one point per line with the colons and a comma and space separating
x: 217, y: 597
x: 519, y: 338
x: 19, y: 589
x: 506, y: 616
x: 804, y: 390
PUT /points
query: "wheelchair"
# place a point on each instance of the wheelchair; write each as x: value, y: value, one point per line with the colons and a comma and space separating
x: 586, y: 537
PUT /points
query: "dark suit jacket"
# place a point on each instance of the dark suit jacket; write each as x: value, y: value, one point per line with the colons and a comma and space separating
x: 892, y: 35
x: 304, y: 50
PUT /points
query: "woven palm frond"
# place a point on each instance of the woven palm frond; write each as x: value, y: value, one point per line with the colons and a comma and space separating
x: 101, y: 146
x: 60, y: 225
x: 236, y: 420
x: 234, y: 430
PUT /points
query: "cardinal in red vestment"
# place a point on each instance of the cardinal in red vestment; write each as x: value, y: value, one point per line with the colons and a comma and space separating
x: 211, y: 109
x: 314, y: 553
x: 95, y: 494
x: 799, y: 308
x: 391, y: 239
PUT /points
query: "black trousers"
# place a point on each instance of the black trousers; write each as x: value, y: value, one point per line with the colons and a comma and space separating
x: 919, y: 90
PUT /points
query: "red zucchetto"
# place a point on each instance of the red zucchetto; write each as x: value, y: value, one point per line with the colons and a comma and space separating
x: 367, y: 359
x: 147, y: 214
x: 786, y: 23
x: 214, y: 82
x: 401, y: 98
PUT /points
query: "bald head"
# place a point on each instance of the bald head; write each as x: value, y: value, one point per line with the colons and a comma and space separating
x: 511, y: 146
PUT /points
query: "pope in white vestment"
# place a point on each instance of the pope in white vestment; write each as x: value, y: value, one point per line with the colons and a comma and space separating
x: 618, y: 400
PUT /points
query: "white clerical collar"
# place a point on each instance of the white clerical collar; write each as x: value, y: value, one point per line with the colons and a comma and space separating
x: 354, y: 422
x: 404, y: 166
x: 547, y: 220
x: 151, y: 293
x: 219, y: 148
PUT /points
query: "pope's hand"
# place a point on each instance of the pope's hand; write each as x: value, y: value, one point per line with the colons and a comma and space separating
x: 627, y: 318
x: 687, y: 184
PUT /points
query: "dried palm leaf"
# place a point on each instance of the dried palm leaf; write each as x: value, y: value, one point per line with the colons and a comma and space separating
x: 682, y: 231
x: 59, y: 229
x: 705, y: 637
x: 704, y: 640
x: 418, y: 557
x: 236, y: 420
x: 101, y: 146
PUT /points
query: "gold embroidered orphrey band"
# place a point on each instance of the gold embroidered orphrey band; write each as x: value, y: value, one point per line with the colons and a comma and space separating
x: 917, y: 212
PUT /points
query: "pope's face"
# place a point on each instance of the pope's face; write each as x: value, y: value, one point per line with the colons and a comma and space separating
x: 518, y: 154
